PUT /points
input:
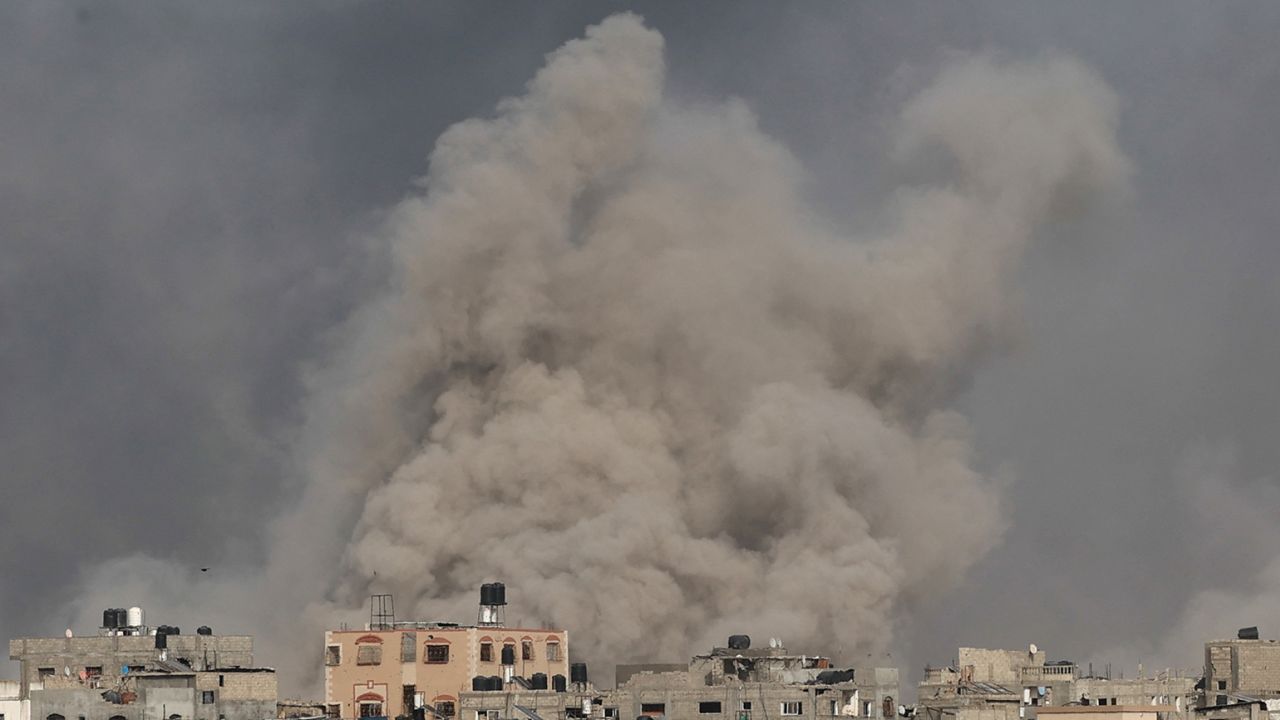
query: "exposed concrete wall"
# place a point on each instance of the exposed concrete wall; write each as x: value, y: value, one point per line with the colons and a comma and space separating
x: 1002, y: 667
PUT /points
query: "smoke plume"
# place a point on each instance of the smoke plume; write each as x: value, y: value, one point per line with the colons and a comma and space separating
x: 625, y: 368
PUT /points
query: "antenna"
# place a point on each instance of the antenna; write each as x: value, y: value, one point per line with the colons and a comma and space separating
x: 382, y: 612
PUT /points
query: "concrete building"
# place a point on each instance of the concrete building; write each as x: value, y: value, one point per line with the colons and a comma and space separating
x: 12, y: 706
x: 1243, y: 669
x: 143, y: 676
x: 1110, y: 712
x: 393, y: 668
x: 1006, y: 684
x: 735, y: 682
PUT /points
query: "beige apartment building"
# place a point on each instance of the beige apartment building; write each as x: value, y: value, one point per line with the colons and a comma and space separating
x: 395, y: 667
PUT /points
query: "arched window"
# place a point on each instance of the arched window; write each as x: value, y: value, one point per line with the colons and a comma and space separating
x: 55, y: 716
x: 117, y: 717
x: 175, y: 716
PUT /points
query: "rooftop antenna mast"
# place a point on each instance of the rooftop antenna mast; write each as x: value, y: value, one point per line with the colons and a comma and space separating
x: 382, y: 612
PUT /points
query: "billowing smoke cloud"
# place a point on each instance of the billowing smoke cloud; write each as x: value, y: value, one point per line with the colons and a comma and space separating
x: 625, y: 368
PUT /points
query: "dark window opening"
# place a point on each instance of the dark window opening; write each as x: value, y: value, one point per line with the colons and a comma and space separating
x: 370, y: 709
x: 1220, y: 700
x: 44, y: 673
x: 333, y: 655
x: 1222, y: 684
x: 793, y: 707
x: 407, y: 699
x: 206, y: 697
x: 437, y: 653
x: 553, y: 651
x: 445, y: 709
x: 653, y: 709
x: 222, y: 680
x: 486, y: 652
x: 709, y: 708
x: 93, y: 671
x: 526, y: 649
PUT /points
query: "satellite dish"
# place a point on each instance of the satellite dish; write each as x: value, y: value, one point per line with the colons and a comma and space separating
x: 1034, y: 649
x: 66, y: 670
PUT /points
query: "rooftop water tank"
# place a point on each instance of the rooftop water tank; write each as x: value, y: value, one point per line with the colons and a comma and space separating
x: 134, y: 616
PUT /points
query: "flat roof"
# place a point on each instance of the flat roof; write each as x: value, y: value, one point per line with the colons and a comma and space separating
x: 1105, y: 709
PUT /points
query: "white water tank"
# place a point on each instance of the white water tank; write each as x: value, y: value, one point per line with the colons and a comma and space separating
x: 135, y: 616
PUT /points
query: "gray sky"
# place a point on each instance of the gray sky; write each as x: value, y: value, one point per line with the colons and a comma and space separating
x: 185, y: 190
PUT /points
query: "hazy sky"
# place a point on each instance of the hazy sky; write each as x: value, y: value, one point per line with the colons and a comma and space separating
x: 187, y: 192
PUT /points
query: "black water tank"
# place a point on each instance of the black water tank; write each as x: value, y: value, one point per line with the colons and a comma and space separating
x: 578, y: 672
x: 486, y: 594
x: 109, y: 618
x: 538, y: 681
x: 1249, y: 633
x: 495, y: 682
x: 499, y: 594
x: 479, y: 683
x: 122, y: 617
x: 162, y: 640
x: 739, y: 642
x: 558, y: 684
x: 508, y: 654
x: 204, y: 630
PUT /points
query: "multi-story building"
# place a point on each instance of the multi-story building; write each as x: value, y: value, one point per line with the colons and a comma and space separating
x: 12, y: 706
x: 396, y: 667
x: 735, y: 683
x: 1008, y: 684
x: 131, y: 672
x: 1241, y: 670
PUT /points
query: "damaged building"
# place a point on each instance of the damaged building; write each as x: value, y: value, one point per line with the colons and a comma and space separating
x: 130, y: 671
x: 1009, y: 684
x: 737, y: 681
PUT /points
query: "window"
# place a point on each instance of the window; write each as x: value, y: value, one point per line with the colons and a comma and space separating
x: 486, y: 652
x: 709, y: 707
x: 368, y: 654
x: 333, y: 655
x: 487, y: 715
x: 333, y: 710
x: 93, y: 671
x: 409, y: 647
x: 526, y: 649
x: 1220, y: 700
x: 371, y: 709
x: 437, y: 653
x: 1222, y: 684
x: 746, y: 705
x: 206, y: 697
x: 444, y: 708
x: 866, y: 708
x: 609, y: 712
x: 44, y: 673
x: 651, y: 709
x: 222, y: 681
x: 835, y: 707
x: 792, y: 707
x: 553, y: 651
